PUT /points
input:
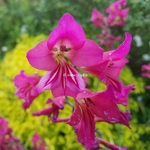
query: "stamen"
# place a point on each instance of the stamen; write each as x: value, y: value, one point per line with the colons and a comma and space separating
x: 63, y: 48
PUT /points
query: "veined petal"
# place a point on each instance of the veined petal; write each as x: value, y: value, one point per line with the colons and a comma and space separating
x: 68, y: 29
x: 60, y: 91
x: 62, y: 79
x: 116, y: 84
x: 51, y: 80
x: 74, y: 79
x: 41, y: 57
x: 90, y: 54
x: 86, y: 130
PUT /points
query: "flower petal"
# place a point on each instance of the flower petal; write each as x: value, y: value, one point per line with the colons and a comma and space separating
x: 123, y: 49
x: 107, y: 110
x: 76, y: 116
x: 90, y: 54
x: 74, y: 80
x: 68, y: 29
x: 41, y: 57
x: 86, y: 130
x: 51, y: 80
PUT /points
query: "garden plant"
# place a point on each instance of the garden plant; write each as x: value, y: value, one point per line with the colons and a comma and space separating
x: 76, y: 90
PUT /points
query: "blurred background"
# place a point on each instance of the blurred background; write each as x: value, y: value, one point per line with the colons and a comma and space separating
x: 24, y: 23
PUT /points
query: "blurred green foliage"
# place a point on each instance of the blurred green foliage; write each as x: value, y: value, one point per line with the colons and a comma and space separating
x: 62, y: 136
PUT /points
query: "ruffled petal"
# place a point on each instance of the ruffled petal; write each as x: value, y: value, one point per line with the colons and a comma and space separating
x: 90, y: 54
x: 68, y: 29
x: 41, y: 57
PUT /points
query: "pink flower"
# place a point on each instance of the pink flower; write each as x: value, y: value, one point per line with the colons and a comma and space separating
x: 113, y: 62
x: 3, y: 126
x: 146, y: 71
x: 83, y: 121
x: 117, y: 97
x: 26, y: 87
x: 91, y: 107
x: 62, y: 80
x: 98, y: 18
x: 38, y: 142
x: 117, y: 15
x: 118, y: 18
x: 104, y: 108
x: 57, y: 104
x: 147, y: 87
x: 67, y: 41
x: 7, y: 140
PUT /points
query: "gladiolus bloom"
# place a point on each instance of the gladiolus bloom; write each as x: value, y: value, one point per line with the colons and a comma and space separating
x: 26, y: 87
x: 38, y: 142
x: 67, y: 41
x: 98, y: 18
x: 113, y: 62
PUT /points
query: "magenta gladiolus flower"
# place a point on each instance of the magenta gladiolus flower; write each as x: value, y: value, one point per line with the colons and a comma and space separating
x: 67, y: 41
x: 113, y: 62
x: 117, y: 97
x: 92, y: 107
x: 83, y: 121
x: 26, y: 87
x: 104, y: 108
x: 117, y: 15
x: 64, y: 52
x: 98, y: 18
x: 146, y: 73
x: 7, y: 140
x: 38, y: 142
x: 3, y: 126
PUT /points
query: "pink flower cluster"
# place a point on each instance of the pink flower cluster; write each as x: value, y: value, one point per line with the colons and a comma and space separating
x: 7, y: 140
x: 66, y: 52
x: 116, y: 17
x: 38, y: 143
x: 146, y: 73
